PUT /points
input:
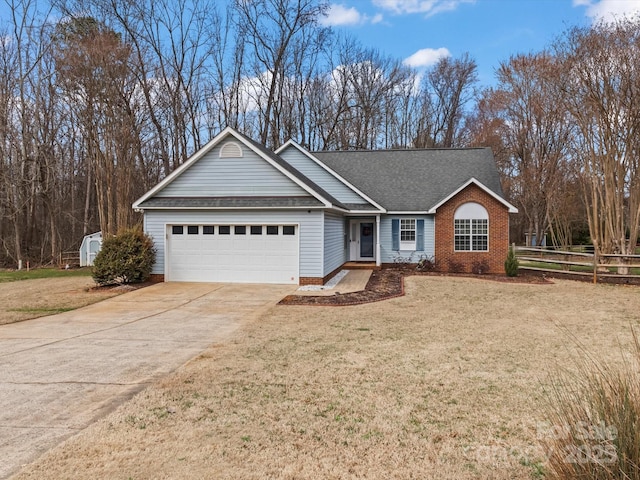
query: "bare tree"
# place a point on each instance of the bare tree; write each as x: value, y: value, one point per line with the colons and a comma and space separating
x: 273, y: 30
x: 602, y: 86
x: 92, y: 64
x: 446, y: 91
x: 27, y: 135
x: 225, y: 98
x: 537, y: 132
x: 173, y: 44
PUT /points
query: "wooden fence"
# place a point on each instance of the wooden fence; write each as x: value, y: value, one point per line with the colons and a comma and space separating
x: 71, y: 258
x: 580, y: 263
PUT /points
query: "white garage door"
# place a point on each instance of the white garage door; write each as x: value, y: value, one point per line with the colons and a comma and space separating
x: 232, y: 253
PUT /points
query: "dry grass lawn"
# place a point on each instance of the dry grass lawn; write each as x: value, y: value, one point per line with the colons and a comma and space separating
x: 34, y: 298
x: 447, y: 382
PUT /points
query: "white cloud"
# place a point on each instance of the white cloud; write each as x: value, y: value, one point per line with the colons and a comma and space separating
x: 609, y: 10
x: 426, y: 57
x: 339, y: 15
x: 428, y: 7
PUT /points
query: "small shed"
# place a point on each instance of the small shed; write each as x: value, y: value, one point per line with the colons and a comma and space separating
x: 91, y: 245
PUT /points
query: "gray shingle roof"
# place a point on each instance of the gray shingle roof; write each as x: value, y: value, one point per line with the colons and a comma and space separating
x: 231, y: 202
x: 413, y: 180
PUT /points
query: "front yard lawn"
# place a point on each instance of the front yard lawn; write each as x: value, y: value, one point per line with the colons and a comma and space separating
x: 24, y: 274
x: 448, y: 382
x: 40, y: 292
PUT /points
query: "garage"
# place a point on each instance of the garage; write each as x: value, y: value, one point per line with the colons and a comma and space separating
x: 235, y: 253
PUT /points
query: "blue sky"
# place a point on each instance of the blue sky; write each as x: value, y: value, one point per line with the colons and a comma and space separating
x: 420, y: 31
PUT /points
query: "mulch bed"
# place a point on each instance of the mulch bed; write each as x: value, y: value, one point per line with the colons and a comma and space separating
x: 389, y: 283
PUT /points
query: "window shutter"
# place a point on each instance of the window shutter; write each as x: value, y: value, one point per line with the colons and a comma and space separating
x: 395, y: 234
x: 420, y: 235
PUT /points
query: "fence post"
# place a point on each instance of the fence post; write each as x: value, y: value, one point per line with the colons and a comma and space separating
x: 595, y: 265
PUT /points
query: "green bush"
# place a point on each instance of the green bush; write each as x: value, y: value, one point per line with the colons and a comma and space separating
x: 125, y: 258
x: 511, y: 264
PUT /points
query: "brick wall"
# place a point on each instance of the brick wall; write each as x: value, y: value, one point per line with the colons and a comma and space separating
x: 498, y: 232
x: 319, y: 280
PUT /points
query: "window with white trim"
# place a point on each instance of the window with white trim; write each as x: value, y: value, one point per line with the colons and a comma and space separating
x: 471, y: 228
x: 407, y: 234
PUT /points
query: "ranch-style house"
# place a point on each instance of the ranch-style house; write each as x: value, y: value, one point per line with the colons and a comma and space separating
x: 237, y: 212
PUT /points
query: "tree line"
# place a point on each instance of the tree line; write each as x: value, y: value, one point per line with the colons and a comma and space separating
x: 96, y: 107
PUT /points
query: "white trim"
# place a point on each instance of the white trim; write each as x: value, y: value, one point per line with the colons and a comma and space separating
x: 338, y: 209
x: 470, y: 235
x: 471, y: 210
x: 378, y: 256
x: 232, y: 154
x: 318, y: 207
x: 354, y: 242
x: 362, y: 213
x: 402, y: 212
x: 406, y: 245
x: 331, y: 172
x: 487, y: 190
x: 210, y: 145
x: 167, y: 272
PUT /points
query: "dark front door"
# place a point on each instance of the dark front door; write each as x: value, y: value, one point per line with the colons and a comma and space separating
x: 366, y: 240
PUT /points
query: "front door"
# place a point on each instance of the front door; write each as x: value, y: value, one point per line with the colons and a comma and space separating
x: 362, y: 240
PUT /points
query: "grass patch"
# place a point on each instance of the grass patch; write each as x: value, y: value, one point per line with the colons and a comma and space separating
x: 37, y: 297
x: 594, y: 417
x: 17, y: 275
x: 555, y: 266
x: 43, y: 311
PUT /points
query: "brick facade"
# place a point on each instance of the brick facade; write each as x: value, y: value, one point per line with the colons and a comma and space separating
x: 319, y: 280
x: 498, y: 232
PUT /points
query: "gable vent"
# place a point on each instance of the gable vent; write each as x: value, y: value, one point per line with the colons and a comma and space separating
x: 231, y: 150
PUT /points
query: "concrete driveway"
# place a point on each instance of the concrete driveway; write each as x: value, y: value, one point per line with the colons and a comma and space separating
x: 58, y: 374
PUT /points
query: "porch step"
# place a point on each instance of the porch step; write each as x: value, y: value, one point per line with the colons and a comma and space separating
x: 361, y: 266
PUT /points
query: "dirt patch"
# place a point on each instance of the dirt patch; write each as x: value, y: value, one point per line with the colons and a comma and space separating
x: 27, y: 299
x: 389, y: 283
x: 448, y: 381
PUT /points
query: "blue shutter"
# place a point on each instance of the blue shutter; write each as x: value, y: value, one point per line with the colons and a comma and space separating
x: 420, y: 235
x: 395, y: 234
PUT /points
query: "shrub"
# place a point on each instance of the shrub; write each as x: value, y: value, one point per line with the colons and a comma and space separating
x: 125, y: 258
x: 594, y: 416
x: 455, y: 267
x: 427, y: 264
x: 480, y: 267
x: 511, y: 263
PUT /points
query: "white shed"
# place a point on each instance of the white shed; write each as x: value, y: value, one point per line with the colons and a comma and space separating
x: 91, y: 245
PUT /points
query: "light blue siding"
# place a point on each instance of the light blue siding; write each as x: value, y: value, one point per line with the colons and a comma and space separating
x: 386, y: 249
x: 249, y: 175
x: 311, y: 228
x: 320, y: 176
x: 334, y: 250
